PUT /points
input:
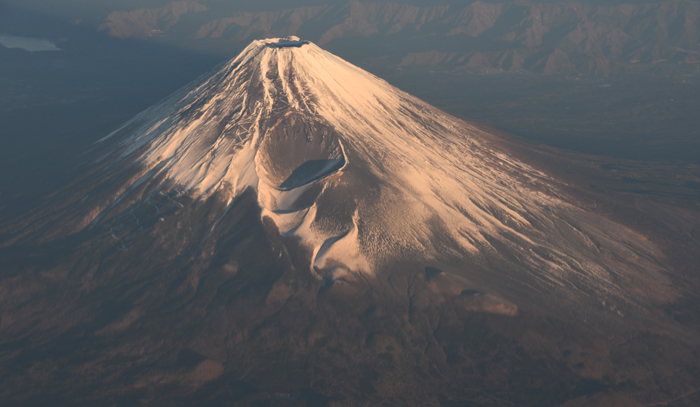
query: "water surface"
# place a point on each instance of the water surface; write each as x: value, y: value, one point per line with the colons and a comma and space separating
x: 28, y: 44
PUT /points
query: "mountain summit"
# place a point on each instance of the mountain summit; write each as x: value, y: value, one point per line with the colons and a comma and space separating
x: 291, y: 229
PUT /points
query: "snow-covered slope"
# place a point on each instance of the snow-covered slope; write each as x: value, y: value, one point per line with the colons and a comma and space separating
x: 365, y: 175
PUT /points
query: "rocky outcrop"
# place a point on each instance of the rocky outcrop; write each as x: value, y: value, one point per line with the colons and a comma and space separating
x: 148, y: 22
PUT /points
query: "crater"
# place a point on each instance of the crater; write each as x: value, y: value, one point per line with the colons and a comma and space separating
x: 295, y: 155
x: 288, y: 42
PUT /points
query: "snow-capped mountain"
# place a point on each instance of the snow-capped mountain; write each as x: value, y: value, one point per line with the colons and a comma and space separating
x: 364, y: 176
x: 291, y: 229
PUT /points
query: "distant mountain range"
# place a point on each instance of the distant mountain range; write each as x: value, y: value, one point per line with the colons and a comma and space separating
x: 568, y: 38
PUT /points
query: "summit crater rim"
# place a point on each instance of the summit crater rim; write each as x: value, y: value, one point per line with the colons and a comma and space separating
x: 286, y: 42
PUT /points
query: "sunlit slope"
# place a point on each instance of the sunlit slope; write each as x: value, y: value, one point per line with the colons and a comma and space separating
x: 363, y: 176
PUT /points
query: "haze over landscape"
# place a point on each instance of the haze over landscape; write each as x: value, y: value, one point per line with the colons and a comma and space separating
x: 329, y: 203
